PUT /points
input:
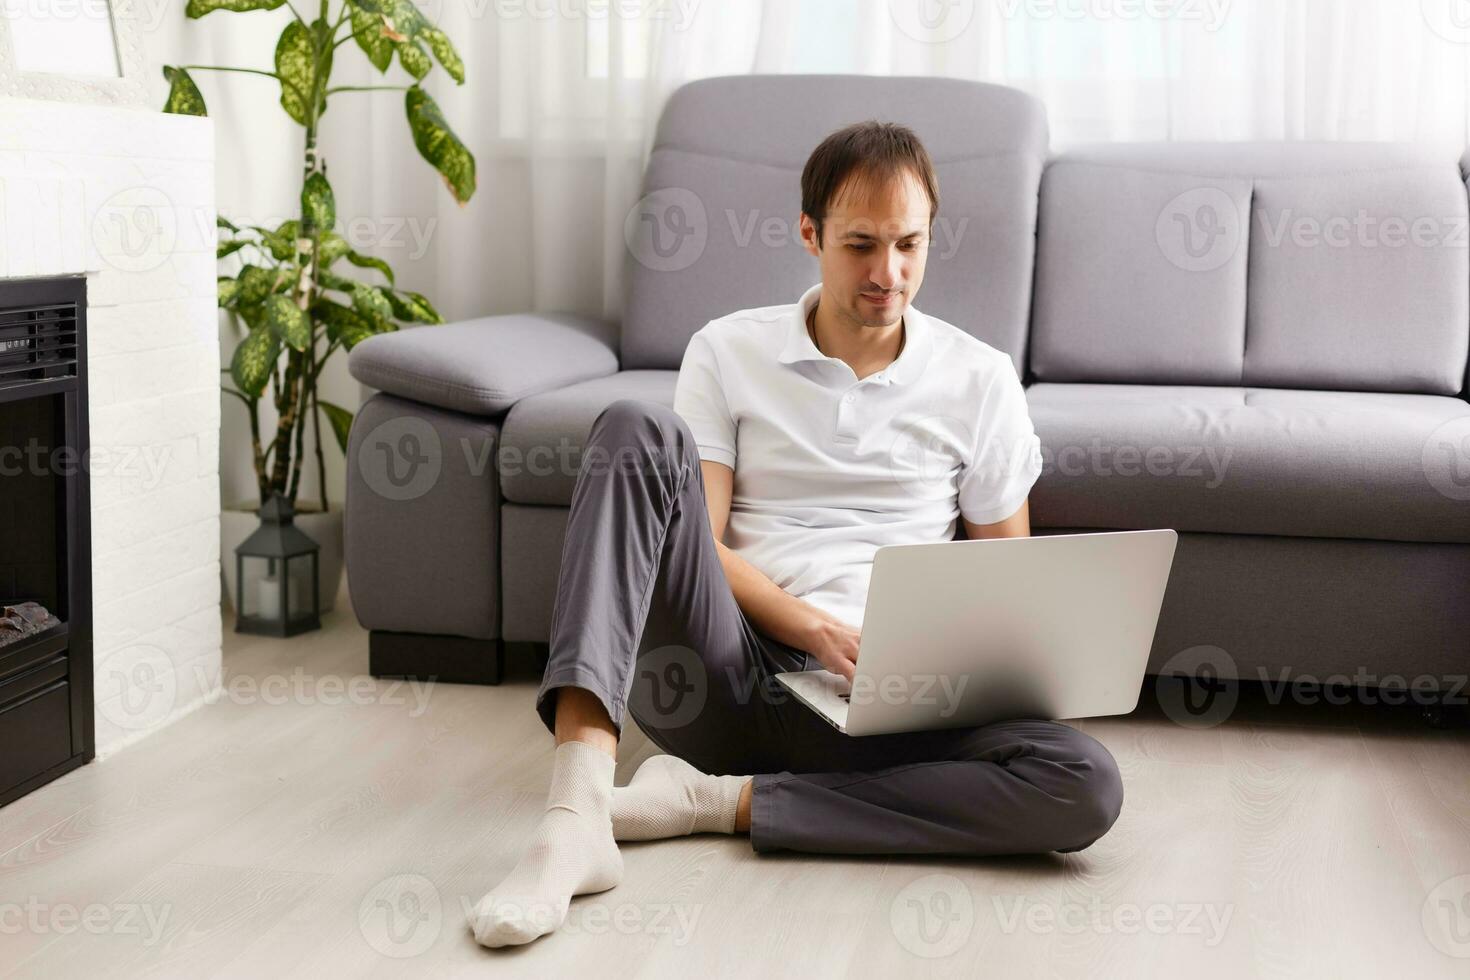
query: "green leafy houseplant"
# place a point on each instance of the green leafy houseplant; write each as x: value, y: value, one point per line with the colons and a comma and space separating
x: 286, y: 299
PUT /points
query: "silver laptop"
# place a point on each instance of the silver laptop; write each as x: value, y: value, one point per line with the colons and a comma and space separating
x: 960, y: 633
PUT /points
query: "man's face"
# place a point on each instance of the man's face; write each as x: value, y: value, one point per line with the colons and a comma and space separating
x: 874, y: 245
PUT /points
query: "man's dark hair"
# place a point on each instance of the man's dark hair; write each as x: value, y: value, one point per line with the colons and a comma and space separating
x: 872, y: 152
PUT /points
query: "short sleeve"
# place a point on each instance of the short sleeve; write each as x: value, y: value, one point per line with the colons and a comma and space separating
x: 699, y: 398
x: 1006, y: 459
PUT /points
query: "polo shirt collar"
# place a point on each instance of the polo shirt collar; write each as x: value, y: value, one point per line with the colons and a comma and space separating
x: 908, y: 366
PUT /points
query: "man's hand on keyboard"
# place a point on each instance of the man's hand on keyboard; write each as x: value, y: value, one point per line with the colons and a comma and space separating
x: 833, y: 644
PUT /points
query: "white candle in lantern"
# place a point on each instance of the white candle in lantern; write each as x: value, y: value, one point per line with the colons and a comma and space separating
x: 270, y: 597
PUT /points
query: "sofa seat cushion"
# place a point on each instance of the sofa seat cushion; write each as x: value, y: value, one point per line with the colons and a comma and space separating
x: 1253, y: 461
x: 542, y: 438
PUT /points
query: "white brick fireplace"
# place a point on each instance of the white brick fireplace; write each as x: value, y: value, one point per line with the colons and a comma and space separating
x: 126, y: 196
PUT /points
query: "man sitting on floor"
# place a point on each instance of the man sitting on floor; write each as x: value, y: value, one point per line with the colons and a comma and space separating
x: 806, y: 435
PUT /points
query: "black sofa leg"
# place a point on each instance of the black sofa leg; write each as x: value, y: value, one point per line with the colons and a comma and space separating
x: 422, y: 656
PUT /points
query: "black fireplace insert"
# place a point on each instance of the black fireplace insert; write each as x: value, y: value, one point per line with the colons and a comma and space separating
x: 46, y: 719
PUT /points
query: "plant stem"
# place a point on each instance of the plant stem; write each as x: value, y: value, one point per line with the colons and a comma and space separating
x: 285, y: 469
x: 245, y: 71
x: 285, y: 420
x: 302, y: 383
x: 368, y: 88
x: 321, y: 460
x: 302, y: 404
x: 352, y: 36
x: 257, y: 454
x: 251, y: 71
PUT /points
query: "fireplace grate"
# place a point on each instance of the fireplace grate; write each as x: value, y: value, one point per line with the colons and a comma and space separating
x: 37, y: 343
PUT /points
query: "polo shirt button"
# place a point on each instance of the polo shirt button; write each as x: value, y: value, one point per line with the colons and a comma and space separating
x: 847, y: 397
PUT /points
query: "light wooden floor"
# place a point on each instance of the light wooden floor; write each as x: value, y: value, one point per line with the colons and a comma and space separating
x: 322, y: 840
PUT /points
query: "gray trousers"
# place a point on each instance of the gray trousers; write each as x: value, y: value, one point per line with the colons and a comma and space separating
x: 645, y: 619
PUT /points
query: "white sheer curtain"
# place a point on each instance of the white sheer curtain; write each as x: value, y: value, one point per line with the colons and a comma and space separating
x: 562, y: 97
x: 560, y: 105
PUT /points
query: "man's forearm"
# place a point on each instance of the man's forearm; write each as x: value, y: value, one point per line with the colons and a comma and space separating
x: 776, y: 612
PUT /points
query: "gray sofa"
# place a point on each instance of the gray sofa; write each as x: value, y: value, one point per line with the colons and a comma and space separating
x: 1262, y: 346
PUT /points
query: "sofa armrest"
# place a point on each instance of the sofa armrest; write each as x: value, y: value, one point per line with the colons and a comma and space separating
x: 484, y: 366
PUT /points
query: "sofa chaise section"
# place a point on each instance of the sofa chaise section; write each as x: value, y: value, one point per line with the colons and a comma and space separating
x: 423, y: 525
x: 1272, y: 340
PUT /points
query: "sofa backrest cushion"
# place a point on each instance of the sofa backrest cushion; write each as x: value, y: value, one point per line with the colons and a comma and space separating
x: 1302, y: 265
x: 717, y: 228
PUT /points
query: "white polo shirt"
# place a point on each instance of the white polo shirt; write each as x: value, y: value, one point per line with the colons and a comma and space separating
x: 828, y: 467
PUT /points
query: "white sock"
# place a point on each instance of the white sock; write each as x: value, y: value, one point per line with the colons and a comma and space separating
x: 670, y: 798
x: 572, y: 852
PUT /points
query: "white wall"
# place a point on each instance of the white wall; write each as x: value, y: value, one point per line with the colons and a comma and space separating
x: 127, y: 196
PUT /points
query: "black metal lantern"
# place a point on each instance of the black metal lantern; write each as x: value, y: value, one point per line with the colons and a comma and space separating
x: 276, y: 590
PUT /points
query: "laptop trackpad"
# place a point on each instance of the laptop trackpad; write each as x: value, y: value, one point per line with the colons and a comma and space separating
x: 823, y: 690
